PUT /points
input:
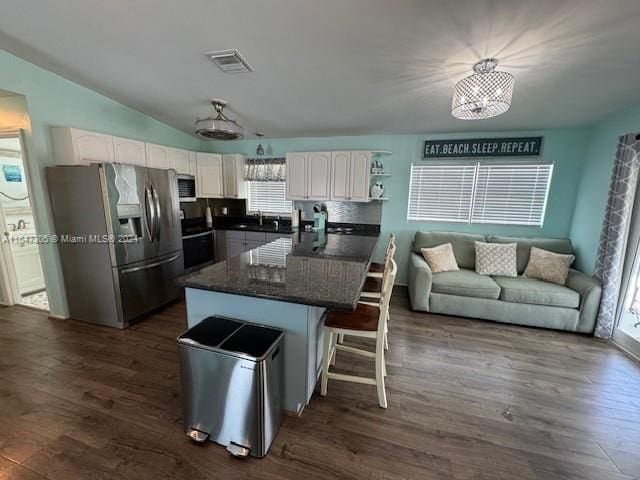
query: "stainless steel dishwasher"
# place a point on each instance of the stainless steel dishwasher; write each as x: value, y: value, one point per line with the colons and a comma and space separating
x: 232, y: 384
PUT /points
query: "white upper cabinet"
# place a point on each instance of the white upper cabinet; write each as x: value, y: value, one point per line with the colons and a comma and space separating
x: 340, y: 176
x: 209, y: 167
x: 234, y: 184
x: 132, y: 152
x: 158, y: 156
x: 180, y: 161
x: 297, y: 176
x: 79, y: 147
x: 319, y: 175
x: 360, y: 176
x: 193, y: 165
x: 184, y: 161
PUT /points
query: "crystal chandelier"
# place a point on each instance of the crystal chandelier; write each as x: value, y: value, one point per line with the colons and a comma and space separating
x: 484, y: 94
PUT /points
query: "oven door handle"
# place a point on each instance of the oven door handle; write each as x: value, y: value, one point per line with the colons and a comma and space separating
x: 195, y: 235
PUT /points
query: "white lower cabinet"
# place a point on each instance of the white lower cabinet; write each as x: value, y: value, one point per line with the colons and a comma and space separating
x: 28, y: 268
x: 235, y: 248
x: 237, y: 242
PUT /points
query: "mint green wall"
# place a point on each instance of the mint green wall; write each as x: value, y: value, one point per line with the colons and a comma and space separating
x: 53, y: 100
x: 594, y: 185
x: 565, y: 147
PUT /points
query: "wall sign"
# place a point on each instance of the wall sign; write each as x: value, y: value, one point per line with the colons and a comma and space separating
x: 12, y: 173
x: 483, y: 147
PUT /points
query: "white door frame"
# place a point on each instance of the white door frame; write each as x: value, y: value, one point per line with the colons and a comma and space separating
x: 9, y: 288
x: 620, y: 337
x: 627, y: 343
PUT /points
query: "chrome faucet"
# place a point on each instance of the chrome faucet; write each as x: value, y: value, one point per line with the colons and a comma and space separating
x: 276, y: 224
x: 259, y: 215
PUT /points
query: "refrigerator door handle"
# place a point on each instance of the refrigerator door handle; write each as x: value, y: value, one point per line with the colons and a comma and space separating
x: 150, y: 212
x: 157, y: 209
x: 151, y: 265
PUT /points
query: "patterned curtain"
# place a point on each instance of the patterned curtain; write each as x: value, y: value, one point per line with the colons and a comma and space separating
x: 615, y: 228
x: 265, y: 170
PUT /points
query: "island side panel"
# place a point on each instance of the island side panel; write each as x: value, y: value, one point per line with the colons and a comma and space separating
x: 301, y: 350
x: 315, y: 333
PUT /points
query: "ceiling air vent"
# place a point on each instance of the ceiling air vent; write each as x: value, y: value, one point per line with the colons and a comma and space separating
x: 230, y: 61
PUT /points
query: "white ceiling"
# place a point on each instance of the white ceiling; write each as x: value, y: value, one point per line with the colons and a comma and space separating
x: 337, y: 67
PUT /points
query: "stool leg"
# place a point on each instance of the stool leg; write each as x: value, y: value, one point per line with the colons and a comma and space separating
x: 333, y: 350
x: 328, y: 334
x: 386, y: 342
x: 380, y: 367
x: 341, y: 338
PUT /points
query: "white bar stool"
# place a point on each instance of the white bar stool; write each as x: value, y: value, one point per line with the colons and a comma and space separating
x: 366, y: 321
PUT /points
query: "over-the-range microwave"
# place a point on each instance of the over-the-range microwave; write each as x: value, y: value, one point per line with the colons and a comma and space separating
x: 186, y: 188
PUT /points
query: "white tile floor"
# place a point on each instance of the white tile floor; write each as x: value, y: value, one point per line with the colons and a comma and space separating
x: 36, y: 300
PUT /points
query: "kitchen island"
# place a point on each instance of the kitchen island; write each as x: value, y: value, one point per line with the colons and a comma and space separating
x: 287, y: 284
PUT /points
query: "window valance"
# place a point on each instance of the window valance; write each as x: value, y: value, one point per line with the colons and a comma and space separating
x: 265, y: 170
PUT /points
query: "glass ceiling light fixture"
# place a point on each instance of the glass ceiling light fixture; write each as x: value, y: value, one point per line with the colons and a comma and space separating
x: 484, y: 94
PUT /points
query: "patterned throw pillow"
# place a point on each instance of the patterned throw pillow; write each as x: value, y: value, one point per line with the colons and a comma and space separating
x: 440, y: 258
x: 496, y: 259
x: 548, y: 266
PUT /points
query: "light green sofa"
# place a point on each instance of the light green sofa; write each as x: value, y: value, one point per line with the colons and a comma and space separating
x: 520, y: 300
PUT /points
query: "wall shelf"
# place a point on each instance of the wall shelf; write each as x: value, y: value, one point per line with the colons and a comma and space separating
x: 380, y: 199
x: 380, y: 174
x: 381, y: 152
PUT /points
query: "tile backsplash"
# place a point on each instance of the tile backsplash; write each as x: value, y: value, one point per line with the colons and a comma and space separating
x: 236, y: 208
x: 340, y: 212
x: 345, y: 212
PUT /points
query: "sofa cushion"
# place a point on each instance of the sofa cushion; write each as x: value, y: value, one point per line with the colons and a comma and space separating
x: 556, y: 245
x: 537, y: 292
x: 548, y: 266
x: 440, y: 258
x: 463, y: 247
x: 465, y: 283
x: 496, y: 259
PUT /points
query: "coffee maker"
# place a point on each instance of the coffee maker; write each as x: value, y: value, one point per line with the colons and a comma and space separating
x: 319, y: 218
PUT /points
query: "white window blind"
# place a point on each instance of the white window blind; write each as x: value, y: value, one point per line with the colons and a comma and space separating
x: 269, y: 197
x: 441, y: 192
x: 514, y: 194
x: 480, y: 192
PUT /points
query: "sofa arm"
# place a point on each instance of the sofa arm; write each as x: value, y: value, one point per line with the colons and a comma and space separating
x: 590, y: 290
x: 420, y: 278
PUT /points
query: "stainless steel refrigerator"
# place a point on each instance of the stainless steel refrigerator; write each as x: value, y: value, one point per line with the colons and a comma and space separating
x: 119, y: 239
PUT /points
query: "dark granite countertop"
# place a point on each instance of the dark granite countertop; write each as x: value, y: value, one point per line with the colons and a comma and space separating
x: 311, y: 269
x: 257, y: 228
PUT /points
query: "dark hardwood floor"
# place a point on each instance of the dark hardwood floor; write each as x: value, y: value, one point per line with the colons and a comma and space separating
x: 467, y: 400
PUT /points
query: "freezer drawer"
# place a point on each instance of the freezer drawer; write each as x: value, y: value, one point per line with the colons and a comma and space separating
x: 145, y: 286
x: 232, y: 374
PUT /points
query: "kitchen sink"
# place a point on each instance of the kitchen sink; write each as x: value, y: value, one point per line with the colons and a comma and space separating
x: 267, y: 227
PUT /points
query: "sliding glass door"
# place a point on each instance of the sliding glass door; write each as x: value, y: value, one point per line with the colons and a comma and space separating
x: 627, y: 331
